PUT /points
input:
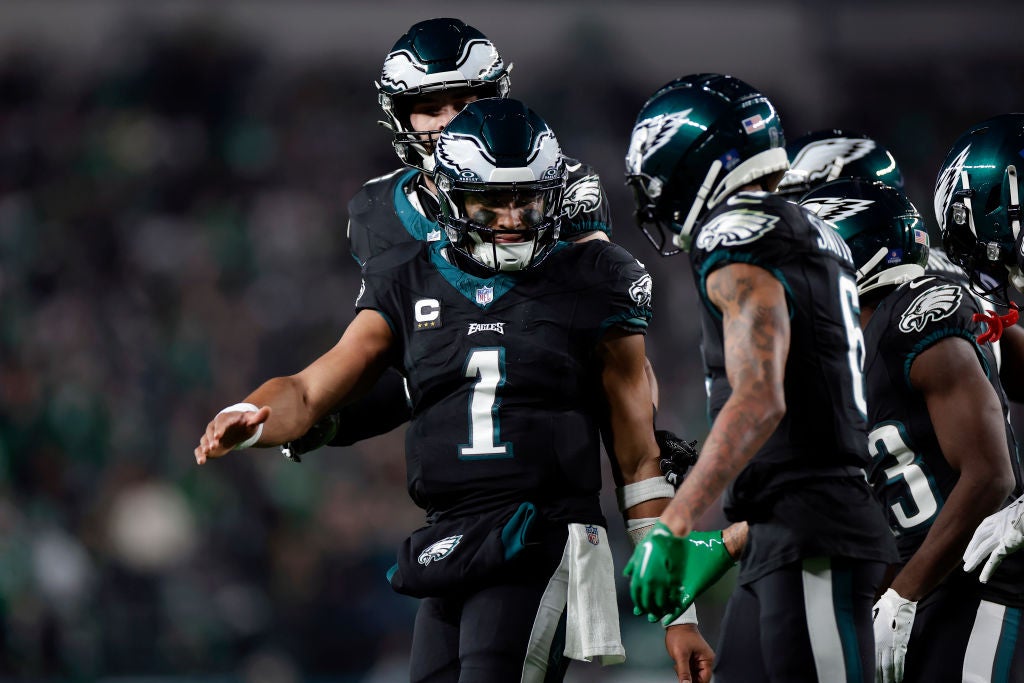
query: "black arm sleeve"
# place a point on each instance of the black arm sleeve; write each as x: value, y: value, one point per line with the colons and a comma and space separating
x: 384, y: 407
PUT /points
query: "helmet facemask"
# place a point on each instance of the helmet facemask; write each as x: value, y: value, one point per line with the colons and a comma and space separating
x: 658, y: 225
x: 503, y: 227
x: 416, y: 147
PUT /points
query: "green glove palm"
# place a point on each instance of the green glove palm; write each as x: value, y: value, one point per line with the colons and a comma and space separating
x: 667, y: 572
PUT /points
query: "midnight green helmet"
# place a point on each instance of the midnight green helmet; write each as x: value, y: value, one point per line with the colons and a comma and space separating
x: 826, y: 155
x: 435, y: 55
x: 886, y: 235
x: 977, y: 201
x: 494, y: 155
x: 697, y: 140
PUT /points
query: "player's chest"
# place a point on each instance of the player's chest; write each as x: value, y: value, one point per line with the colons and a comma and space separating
x: 445, y: 329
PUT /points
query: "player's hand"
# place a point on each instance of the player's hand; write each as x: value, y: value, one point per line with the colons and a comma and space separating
x: 691, y: 655
x: 893, y: 620
x: 706, y: 561
x: 677, y: 456
x: 655, y: 571
x: 227, y: 430
x: 996, y: 537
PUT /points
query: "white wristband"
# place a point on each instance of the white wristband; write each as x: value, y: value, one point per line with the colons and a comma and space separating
x: 637, y: 529
x: 245, y: 408
x: 687, y: 617
x: 642, y: 491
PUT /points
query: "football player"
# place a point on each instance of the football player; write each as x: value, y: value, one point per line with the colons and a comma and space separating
x: 430, y: 74
x: 978, y: 207
x: 517, y: 347
x: 782, y: 346
x: 938, y: 468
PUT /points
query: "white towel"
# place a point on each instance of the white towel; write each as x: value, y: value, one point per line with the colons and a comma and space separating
x: 592, y: 624
x: 585, y: 583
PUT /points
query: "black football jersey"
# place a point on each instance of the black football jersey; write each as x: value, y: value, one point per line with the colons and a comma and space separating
x: 385, y: 211
x: 824, y: 424
x: 816, y: 457
x: 502, y: 371
x: 909, y: 473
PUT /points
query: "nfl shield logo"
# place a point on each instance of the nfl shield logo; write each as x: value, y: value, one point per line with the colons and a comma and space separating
x: 484, y: 295
x: 592, y: 535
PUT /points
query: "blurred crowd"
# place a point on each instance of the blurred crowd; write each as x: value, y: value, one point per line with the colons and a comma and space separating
x: 172, y: 232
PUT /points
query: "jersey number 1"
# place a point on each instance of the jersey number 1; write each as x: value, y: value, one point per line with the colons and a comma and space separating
x: 487, y: 365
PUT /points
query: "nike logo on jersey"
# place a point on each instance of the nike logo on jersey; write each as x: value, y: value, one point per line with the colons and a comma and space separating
x: 930, y: 306
x: 486, y: 327
x: 917, y: 283
x: 741, y: 226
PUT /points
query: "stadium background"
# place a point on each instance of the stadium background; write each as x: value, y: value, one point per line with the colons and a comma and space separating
x: 173, y: 180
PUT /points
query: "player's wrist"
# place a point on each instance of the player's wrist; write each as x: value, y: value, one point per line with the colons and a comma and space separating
x: 245, y: 408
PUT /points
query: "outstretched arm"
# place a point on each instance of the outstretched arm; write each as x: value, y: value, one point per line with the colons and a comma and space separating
x: 288, y: 406
x: 755, y: 321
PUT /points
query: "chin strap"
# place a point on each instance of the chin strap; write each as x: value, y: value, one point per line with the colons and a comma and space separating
x: 996, y: 323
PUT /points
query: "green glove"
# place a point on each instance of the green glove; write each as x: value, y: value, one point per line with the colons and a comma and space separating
x: 707, y: 561
x: 655, y: 571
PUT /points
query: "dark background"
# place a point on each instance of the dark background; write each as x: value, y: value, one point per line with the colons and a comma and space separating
x: 173, y: 182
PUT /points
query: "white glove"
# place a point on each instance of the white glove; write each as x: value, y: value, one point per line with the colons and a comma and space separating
x: 997, y: 536
x: 893, y: 617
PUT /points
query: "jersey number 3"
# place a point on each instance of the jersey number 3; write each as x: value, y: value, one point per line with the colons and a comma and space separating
x: 487, y: 365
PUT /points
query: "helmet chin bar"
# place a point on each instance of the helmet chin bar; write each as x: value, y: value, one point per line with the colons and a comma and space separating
x: 510, y: 256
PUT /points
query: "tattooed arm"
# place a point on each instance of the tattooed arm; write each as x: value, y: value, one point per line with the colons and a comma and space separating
x: 755, y: 321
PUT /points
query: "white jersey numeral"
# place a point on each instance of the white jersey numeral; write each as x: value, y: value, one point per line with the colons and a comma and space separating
x: 487, y: 365
x: 921, y: 506
x: 855, y: 338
